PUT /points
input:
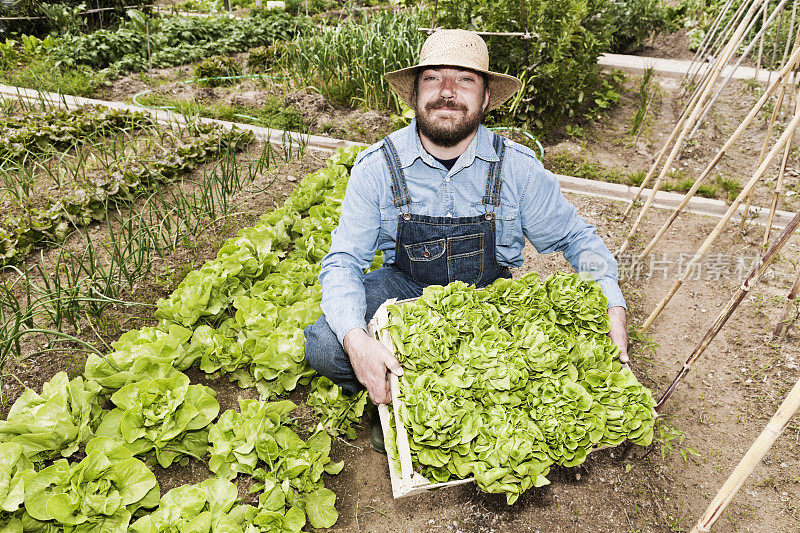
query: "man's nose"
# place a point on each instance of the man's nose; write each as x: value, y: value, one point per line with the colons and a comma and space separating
x: 447, y: 89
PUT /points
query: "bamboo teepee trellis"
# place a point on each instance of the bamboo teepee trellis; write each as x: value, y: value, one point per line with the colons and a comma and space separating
x: 727, y: 43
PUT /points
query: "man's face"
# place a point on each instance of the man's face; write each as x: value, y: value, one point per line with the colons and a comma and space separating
x: 449, y: 104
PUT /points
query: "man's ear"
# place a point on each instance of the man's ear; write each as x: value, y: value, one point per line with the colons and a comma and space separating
x: 486, y: 95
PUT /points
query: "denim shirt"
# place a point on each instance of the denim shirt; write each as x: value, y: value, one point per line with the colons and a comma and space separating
x: 531, y: 206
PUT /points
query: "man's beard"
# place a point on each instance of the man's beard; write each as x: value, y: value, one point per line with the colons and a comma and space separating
x: 447, y: 136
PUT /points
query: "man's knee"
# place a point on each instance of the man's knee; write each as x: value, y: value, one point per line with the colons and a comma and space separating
x: 321, y: 345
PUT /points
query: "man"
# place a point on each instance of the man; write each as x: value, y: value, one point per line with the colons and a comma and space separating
x: 444, y: 199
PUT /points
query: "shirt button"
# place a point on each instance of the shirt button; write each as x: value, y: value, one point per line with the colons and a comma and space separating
x: 449, y: 214
x: 447, y: 179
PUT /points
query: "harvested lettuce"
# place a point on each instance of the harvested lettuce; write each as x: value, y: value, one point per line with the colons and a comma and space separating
x: 500, y: 383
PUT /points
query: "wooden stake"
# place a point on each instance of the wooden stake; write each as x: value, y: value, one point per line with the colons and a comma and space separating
x: 720, y: 38
x: 779, y: 82
x: 782, y: 327
x: 742, y: 56
x: 778, y: 192
x: 732, y: 45
x: 697, y: 59
x: 701, y: 252
x: 752, y: 278
x: 775, y: 47
x: 754, y: 455
x: 761, y: 43
x: 767, y: 137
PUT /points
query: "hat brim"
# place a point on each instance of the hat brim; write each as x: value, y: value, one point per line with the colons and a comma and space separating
x: 501, y: 86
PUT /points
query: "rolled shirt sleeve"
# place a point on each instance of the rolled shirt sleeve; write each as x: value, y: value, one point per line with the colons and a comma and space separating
x: 353, y: 245
x: 552, y: 224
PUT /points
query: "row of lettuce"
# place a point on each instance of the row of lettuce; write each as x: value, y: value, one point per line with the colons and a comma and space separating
x: 264, y: 282
x: 55, y: 215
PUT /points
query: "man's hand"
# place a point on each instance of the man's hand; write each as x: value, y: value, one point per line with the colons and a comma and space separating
x: 619, y: 331
x: 371, y: 361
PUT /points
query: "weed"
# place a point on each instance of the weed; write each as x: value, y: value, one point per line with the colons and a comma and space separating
x: 670, y: 439
x: 731, y: 186
x: 645, y: 98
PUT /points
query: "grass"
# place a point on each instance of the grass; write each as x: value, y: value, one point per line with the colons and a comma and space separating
x: 273, y: 114
x: 44, y: 75
x: 730, y: 186
x: 565, y: 162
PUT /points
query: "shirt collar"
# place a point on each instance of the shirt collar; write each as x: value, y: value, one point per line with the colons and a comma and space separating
x: 410, y: 148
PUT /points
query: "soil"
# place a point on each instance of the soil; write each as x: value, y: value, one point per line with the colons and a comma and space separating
x: 714, y: 416
x: 319, y: 115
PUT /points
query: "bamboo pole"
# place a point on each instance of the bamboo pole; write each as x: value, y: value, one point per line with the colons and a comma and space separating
x: 681, y: 121
x: 778, y: 192
x: 782, y: 327
x: 657, y: 162
x: 706, y: 39
x: 711, y: 79
x: 754, y: 455
x: 762, y: 34
x: 743, y: 55
x: 767, y: 137
x: 779, y: 81
x: 700, y: 253
x: 753, y: 277
x: 775, y: 47
x: 720, y: 38
x: 789, y: 35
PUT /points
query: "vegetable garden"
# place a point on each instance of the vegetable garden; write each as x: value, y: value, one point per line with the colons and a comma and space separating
x: 158, y: 270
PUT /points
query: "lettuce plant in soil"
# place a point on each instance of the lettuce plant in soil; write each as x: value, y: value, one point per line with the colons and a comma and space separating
x: 209, y: 506
x: 16, y: 471
x: 100, y: 493
x: 259, y: 440
x: 165, y: 416
x: 56, y: 422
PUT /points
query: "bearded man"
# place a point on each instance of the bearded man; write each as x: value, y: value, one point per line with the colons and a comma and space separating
x: 445, y: 199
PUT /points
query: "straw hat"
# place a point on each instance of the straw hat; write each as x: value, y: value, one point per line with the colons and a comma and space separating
x: 455, y: 48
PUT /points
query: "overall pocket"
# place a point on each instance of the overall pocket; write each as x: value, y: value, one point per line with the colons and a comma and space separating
x: 465, y: 258
x: 425, y: 259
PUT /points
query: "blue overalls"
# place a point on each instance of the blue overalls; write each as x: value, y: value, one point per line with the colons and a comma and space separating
x: 428, y: 251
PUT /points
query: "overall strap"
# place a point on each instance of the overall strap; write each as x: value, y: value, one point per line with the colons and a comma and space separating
x: 399, y: 187
x: 494, y: 181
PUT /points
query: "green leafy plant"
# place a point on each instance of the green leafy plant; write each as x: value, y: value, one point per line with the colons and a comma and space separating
x: 206, y: 506
x: 56, y: 422
x: 100, y: 493
x: 292, y: 469
x: 217, y: 71
x: 162, y: 415
x: 346, y: 63
x: 64, y: 19
x: 501, y: 383
x: 337, y: 410
x: 16, y: 471
x: 176, y: 41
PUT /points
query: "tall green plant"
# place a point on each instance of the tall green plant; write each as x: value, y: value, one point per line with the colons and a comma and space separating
x: 558, y: 65
x: 346, y: 63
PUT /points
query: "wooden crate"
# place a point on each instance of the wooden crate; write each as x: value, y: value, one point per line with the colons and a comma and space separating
x: 405, y: 481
